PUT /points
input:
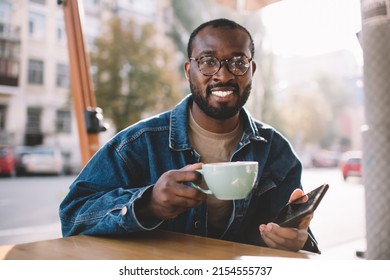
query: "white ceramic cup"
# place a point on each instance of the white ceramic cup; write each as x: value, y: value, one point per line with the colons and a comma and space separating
x: 229, y: 180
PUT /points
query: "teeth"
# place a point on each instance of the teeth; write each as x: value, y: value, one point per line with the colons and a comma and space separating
x: 222, y: 93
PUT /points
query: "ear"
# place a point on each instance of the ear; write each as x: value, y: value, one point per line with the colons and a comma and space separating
x: 187, y: 66
x: 253, y: 67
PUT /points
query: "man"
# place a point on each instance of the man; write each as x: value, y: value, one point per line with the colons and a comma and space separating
x: 140, y: 180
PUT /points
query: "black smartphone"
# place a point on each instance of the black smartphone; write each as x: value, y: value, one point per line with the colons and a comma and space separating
x: 293, y: 212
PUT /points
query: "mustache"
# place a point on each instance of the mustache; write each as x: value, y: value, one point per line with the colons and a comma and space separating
x: 230, y: 84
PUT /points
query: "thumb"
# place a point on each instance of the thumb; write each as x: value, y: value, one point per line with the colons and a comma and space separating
x: 297, y: 193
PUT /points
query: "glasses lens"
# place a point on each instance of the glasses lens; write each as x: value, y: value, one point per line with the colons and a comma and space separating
x: 208, y: 65
x: 238, y: 65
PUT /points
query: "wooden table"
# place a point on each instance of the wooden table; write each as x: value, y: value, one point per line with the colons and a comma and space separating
x: 151, y: 245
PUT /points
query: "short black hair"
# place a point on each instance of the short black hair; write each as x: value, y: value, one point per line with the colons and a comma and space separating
x: 221, y: 22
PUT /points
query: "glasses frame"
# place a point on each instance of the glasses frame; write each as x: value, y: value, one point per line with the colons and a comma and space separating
x: 221, y: 61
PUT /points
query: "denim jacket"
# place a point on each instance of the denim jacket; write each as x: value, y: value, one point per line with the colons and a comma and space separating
x: 101, y: 199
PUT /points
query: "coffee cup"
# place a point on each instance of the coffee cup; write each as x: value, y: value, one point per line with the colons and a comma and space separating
x: 229, y: 180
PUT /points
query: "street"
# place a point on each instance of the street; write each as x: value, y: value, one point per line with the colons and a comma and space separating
x: 339, y: 221
x: 29, y: 208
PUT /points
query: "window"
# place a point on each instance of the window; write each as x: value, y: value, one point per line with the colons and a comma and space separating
x: 62, y: 76
x: 9, y: 63
x: 5, y: 12
x: 35, y: 72
x: 33, y: 124
x: 5, y: 18
x: 91, y: 2
x: 33, y: 135
x: 3, y: 112
x: 36, y: 25
x: 61, y: 33
x: 63, y: 121
x: 39, y: 1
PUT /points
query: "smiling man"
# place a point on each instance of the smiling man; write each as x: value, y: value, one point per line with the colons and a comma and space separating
x: 220, y: 76
x: 140, y: 180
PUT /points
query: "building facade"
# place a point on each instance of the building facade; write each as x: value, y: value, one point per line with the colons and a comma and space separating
x: 35, y: 98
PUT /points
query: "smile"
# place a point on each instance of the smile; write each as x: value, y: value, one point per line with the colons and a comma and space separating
x: 221, y: 93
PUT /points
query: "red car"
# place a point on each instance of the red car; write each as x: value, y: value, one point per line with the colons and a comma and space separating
x: 7, y: 161
x: 351, y: 164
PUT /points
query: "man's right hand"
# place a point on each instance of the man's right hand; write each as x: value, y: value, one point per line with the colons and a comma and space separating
x: 170, y: 196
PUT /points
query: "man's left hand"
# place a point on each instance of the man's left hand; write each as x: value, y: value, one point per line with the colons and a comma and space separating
x: 291, y: 239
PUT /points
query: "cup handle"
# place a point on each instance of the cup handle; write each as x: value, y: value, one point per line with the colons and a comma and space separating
x: 199, y: 188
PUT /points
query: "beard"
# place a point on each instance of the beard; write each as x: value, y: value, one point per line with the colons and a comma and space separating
x: 224, y: 111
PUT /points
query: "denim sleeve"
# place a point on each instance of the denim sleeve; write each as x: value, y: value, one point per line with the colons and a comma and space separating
x: 311, y: 244
x: 101, y: 200
x: 286, y: 173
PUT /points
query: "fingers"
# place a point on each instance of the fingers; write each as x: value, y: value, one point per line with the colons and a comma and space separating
x: 171, y: 196
x: 192, y: 167
x: 305, y: 222
x: 291, y: 239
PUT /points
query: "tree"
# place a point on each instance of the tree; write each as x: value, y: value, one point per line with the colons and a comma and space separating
x: 133, y: 78
x: 309, y: 114
x: 305, y: 117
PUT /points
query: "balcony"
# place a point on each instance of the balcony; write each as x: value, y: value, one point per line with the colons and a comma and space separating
x: 9, y: 55
x: 6, y: 80
x: 9, y: 33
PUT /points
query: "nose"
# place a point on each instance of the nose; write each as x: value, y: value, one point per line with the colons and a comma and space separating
x: 223, y: 73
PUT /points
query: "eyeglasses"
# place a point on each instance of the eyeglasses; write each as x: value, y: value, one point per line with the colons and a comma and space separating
x: 209, y: 65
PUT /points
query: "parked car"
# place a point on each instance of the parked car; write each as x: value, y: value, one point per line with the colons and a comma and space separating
x: 326, y: 158
x: 20, y: 152
x: 351, y: 164
x: 38, y: 160
x: 7, y: 161
x: 72, y: 163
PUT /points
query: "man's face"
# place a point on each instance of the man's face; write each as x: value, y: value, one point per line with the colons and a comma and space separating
x: 223, y: 94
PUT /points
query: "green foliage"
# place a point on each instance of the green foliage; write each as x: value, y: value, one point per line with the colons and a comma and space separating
x: 305, y: 117
x: 133, y: 77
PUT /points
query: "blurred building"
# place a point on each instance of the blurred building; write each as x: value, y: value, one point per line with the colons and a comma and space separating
x: 301, y: 74
x: 35, y: 99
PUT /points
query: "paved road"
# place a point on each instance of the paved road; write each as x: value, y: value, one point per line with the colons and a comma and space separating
x: 339, y: 221
x: 29, y: 209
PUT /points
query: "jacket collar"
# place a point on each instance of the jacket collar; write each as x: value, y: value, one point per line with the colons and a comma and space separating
x: 178, y: 130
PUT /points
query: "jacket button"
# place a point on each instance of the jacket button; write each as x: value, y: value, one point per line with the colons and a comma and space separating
x: 197, y: 224
x: 124, y: 211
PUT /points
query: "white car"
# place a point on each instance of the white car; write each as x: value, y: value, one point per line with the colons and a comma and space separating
x: 41, y: 160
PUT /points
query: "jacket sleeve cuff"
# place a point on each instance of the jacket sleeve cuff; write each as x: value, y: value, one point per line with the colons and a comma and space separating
x: 311, y: 244
x: 130, y: 221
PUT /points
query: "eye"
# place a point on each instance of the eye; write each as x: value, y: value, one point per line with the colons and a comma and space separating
x: 208, y: 62
x: 239, y: 62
